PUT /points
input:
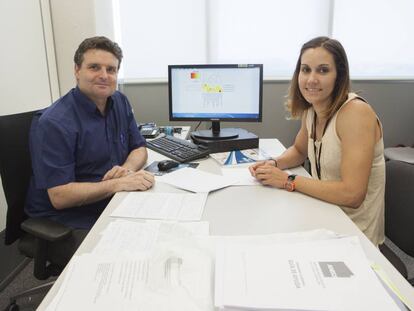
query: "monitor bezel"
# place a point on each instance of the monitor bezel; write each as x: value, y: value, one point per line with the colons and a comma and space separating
x: 203, y: 66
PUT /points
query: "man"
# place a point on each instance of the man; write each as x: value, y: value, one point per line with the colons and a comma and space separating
x: 86, y: 146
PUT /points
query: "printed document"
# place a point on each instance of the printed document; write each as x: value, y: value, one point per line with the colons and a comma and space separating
x: 156, y: 205
x: 317, y: 275
x: 166, y: 281
x: 124, y: 235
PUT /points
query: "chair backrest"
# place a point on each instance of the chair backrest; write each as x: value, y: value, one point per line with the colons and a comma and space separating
x: 15, y: 168
x: 399, y: 205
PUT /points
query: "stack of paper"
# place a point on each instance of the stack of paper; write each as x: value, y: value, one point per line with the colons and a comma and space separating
x: 330, y: 274
x: 119, y: 282
x: 170, y: 266
x: 160, y: 269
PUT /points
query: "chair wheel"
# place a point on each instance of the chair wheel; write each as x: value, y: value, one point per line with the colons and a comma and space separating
x: 13, y: 307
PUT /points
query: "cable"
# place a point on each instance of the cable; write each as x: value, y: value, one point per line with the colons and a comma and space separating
x: 197, y: 125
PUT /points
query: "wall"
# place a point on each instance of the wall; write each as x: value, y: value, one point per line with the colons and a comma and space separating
x: 392, y: 100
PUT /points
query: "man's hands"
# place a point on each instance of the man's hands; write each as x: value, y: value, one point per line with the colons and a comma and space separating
x: 129, y: 180
x: 116, y: 172
x: 268, y: 174
x: 141, y: 180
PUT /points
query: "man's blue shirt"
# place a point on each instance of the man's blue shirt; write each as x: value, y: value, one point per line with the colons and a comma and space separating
x: 71, y: 141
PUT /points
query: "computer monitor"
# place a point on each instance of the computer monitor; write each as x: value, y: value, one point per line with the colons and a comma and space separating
x: 215, y: 93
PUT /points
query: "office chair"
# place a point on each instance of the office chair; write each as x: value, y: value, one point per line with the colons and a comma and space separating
x: 399, y: 210
x: 34, y: 234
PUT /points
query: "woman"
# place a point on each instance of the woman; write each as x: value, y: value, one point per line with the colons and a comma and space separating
x: 340, y: 134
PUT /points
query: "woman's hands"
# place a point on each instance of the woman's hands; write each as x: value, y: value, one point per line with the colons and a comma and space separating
x: 268, y: 174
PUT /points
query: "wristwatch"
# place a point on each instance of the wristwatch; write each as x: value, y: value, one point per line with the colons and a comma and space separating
x: 290, y: 183
x: 274, y: 160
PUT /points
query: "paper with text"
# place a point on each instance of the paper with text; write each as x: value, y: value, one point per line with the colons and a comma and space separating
x: 172, y: 279
x: 124, y: 235
x: 319, y: 275
x: 155, y: 205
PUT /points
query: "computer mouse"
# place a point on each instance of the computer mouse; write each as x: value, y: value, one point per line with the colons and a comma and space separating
x: 165, y: 165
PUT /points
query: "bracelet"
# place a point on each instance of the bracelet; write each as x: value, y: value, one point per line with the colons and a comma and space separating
x: 274, y: 160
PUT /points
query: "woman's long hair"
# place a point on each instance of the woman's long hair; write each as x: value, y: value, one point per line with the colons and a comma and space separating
x: 296, y: 104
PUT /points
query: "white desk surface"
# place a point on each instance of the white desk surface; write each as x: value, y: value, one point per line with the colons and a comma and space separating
x: 258, y: 210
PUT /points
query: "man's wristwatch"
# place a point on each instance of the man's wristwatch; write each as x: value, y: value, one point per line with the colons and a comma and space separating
x: 274, y: 160
x: 290, y: 183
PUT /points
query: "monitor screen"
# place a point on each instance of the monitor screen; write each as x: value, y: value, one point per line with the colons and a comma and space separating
x: 215, y: 92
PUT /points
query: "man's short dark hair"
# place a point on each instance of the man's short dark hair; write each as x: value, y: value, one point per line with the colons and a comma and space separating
x: 97, y: 43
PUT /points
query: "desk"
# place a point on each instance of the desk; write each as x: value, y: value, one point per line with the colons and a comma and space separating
x: 258, y: 210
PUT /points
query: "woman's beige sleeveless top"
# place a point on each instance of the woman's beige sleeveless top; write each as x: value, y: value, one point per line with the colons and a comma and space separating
x: 369, y: 216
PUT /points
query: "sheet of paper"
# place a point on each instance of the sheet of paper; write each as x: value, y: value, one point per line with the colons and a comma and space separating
x: 155, y: 205
x: 124, y: 235
x: 320, y: 275
x: 139, y: 282
x: 196, y: 180
x: 97, y: 282
x: 182, y: 229
x: 242, y: 174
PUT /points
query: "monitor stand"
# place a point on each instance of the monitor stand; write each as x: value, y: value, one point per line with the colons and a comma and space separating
x: 216, y: 133
x: 229, y: 139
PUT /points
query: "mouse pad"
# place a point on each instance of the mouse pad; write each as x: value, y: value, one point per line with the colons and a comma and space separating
x: 153, y: 168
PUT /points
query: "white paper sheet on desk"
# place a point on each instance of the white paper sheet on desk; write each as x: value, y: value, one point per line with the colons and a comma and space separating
x: 131, y: 236
x: 242, y: 174
x: 114, y: 282
x: 196, y: 180
x: 320, y: 275
x: 167, y: 206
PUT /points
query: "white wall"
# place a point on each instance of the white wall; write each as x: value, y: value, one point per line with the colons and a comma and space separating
x: 26, y: 74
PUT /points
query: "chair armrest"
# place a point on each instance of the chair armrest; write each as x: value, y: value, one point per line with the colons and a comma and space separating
x: 46, y: 229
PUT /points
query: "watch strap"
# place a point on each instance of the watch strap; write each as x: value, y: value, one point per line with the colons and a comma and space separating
x: 290, y: 184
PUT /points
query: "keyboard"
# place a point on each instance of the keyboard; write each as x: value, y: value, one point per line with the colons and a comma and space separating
x: 177, y: 149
